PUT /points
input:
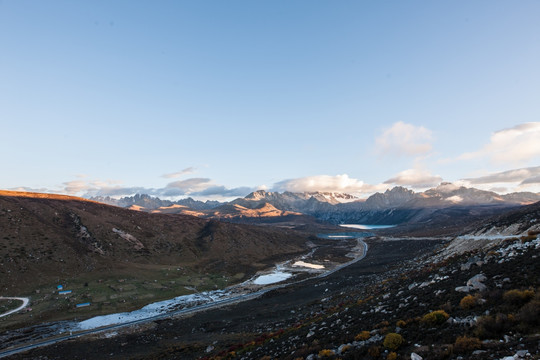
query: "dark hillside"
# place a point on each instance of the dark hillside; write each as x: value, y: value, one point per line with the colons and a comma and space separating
x: 46, y: 238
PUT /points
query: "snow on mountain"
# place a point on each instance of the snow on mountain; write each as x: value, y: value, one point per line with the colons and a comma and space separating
x: 394, y: 206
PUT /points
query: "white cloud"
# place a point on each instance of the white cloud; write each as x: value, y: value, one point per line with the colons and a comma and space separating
x: 326, y: 183
x: 531, y: 180
x: 191, y: 185
x: 201, y: 187
x: 416, y: 178
x: 524, y: 176
x: 76, y: 186
x: 404, y: 139
x: 30, y: 189
x: 186, y: 171
x: 514, y: 146
x: 524, y: 179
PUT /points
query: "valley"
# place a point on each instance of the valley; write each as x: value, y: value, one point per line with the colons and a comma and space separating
x: 270, y: 180
x: 118, y: 259
x: 311, y: 300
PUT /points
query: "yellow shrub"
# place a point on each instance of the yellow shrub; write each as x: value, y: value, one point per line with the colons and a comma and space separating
x: 518, y: 297
x: 374, y: 352
x: 468, y: 302
x: 326, y: 353
x: 435, y: 317
x: 391, y: 356
x: 364, y: 335
x: 393, y: 341
x: 401, y: 323
x: 465, y: 344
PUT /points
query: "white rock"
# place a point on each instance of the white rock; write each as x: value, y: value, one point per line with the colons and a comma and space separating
x: 415, y: 356
x: 521, y: 354
x: 476, y: 282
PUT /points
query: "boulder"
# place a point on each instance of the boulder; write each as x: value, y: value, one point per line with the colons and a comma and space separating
x: 475, y: 283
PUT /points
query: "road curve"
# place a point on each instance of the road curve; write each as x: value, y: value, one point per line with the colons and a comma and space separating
x: 207, y: 306
x: 24, y: 300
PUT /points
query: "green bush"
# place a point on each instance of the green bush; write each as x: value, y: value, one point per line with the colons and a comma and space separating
x: 435, y: 318
x: 393, y: 341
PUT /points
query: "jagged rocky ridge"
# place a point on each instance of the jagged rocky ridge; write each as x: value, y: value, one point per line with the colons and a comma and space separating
x: 395, y: 206
x: 152, y: 203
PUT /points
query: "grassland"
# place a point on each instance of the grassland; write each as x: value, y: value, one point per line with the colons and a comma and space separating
x: 7, y: 305
x: 110, y: 293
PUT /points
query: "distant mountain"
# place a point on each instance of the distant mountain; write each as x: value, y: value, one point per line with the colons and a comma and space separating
x: 395, y: 206
x: 395, y: 197
x: 148, y: 203
x: 231, y: 211
x: 304, y: 202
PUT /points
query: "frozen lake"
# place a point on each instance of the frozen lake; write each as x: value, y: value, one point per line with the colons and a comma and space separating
x: 366, y: 227
x: 152, y: 309
x: 275, y: 277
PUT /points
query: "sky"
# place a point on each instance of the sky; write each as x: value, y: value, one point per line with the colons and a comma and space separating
x: 215, y: 99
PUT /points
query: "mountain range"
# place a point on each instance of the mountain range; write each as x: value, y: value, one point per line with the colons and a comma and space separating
x: 395, y: 206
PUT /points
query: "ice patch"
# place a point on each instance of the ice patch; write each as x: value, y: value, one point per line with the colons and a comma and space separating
x: 308, y: 265
x: 272, y: 278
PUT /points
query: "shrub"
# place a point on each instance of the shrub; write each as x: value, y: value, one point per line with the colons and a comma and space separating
x: 466, y: 344
x: 528, y: 238
x: 518, y: 297
x: 326, y: 353
x: 374, y: 352
x: 529, y: 314
x: 391, y: 356
x: 382, y: 324
x: 490, y: 327
x: 435, y: 318
x: 393, y: 341
x: 364, y: 335
x: 401, y: 323
x: 468, y: 302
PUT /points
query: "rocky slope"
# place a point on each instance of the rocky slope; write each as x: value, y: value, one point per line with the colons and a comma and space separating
x: 403, y: 301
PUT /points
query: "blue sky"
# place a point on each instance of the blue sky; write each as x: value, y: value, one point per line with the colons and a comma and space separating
x: 215, y: 99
